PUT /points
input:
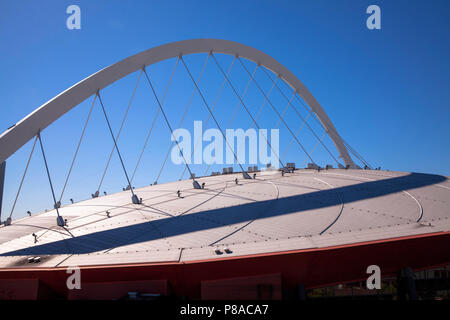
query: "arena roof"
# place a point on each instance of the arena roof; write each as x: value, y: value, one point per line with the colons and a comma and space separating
x: 306, y: 209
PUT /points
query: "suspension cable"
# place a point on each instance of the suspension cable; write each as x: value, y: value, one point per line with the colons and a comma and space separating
x: 278, y: 114
x: 259, y: 113
x: 154, y: 120
x: 236, y: 109
x: 348, y: 147
x: 212, y: 108
x: 119, y: 132
x: 265, y: 100
x: 115, y: 144
x: 353, y: 151
x: 315, y: 147
x: 48, y: 173
x: 246, y: 109
x: 300, y: 116
x: 76, y: 151
x: 309, y: 111
x: 23, y: 177
x: 245, y: 174
x: 167, y: 120
x: 356, y: 154
x: 284, y: 111
x: 297, y: 133
x: 182, y: 118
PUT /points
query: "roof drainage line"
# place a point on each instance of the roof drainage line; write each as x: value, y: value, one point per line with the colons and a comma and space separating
x: 249, y: 222
x: 245, y: 107
x: 340, y: 211
x: 73, y: 220
x: 392, y: 216
x: 118, y: 134
x: 23, y: 177
x: 300, y: 116
x: 143, y: 214
x: 183, y: 213
x: 236, y: 109
x: 156, y: 227
x: 126, y: 206
x: 195, y: 183
x: 96, y: 221
x: 38, y: 227
x: 203, y: 202
x: 154, y: 121
x: 212, y: 108
x: 182, y: 118
x: 63, y: 260
x: 235, y: 196
x: 286, y: 184
x: 182, y: 190
x: 277, y: 113
x: 406, y: 192
x: 158, y: 211
x: 68, y: 231
x: 150, y: 223
x: 77, y: 149
x: 205, y: 191
x: 244, y: 173
x: 418, y: 203
x: 166, y: 192
x: 181, y: 252
x: 116, y: 147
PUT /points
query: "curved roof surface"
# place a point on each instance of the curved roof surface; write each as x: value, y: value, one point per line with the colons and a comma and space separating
x: 272, y: 213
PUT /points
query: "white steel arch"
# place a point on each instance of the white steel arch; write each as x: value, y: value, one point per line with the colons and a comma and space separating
x: 19, y: 134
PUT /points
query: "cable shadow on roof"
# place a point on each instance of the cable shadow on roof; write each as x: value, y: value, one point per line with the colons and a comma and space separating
x: 184, y: 224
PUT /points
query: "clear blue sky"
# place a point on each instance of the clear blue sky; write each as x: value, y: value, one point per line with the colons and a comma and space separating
x: 386, y: 91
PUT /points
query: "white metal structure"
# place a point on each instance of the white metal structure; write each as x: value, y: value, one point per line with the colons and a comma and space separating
x: 19, y: 134
x: 301, y: 210
x: 225, y: 218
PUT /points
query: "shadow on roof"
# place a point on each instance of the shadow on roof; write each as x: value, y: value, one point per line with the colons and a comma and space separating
x: 204, y: 220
